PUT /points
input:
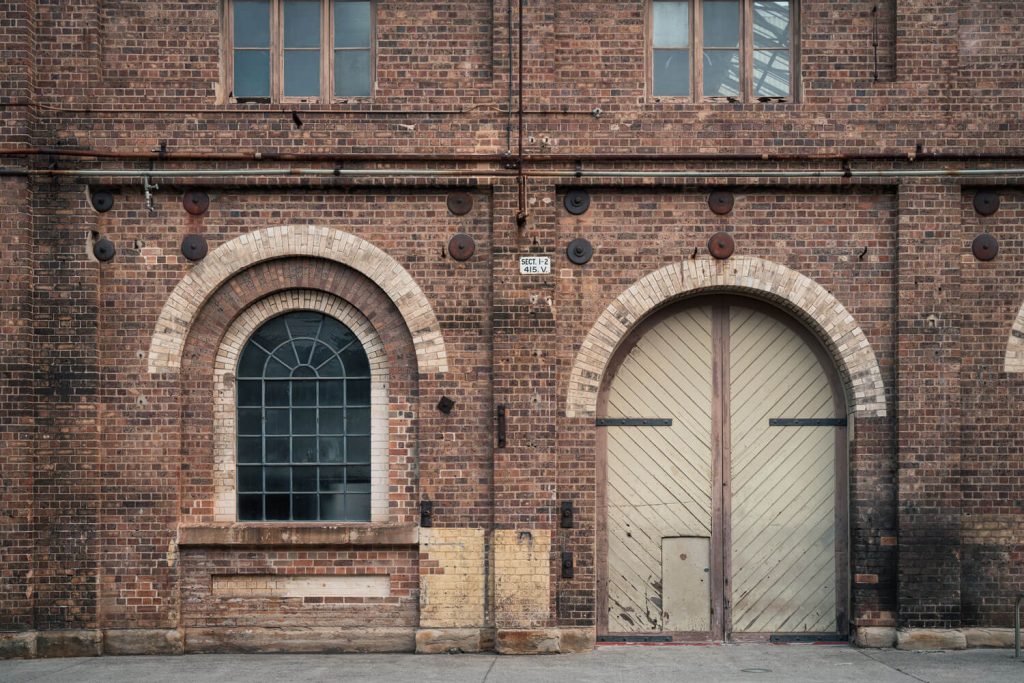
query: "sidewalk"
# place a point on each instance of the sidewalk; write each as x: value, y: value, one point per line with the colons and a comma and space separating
x: 628, y: 664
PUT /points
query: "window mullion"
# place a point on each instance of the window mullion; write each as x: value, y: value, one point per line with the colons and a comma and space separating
x: 276, y: 50
x: 697, y: 45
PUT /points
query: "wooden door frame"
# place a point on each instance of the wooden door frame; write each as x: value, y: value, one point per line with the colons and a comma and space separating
x: 721, y: 615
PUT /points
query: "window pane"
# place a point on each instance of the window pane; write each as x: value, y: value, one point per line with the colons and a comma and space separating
x: 252, y: 23
x: 278, y: 449
x: 250, y: 393
x: 771, y: 24
x: 352, y: 73
x: 332, y: 478
x: 671, y: 24
x: 330, y: 393
x: 721, y: 23
x: 304, y: 421
x: 250, y: 449
x: 277, y: 421
x: 355, y: 361
x: 252, y: 73
x: 252, y: 361
x: 336, y: 335
x: 332, y: 421
x: 250, y: 508
x: 721, y: 73
x: 304, y: 393
x: 278, y: 478
x: 304, y: 449
x: 357, y: 506
x: 277, y: 393
x: 358, y: 392
x: 332, y: 368
x: 771, y: 73
x: 358, y: 421
x: 250, y: 479
x: 304, y: 507
x: 250, y: 421
x: 351, y: 24
x: 304, y: 347
x: 358, y: 449
x: 671, y: 72
x: 358, y: 478
x: 332, y: 507
x: 330, y: 449
x: 302, y: 73
x: 304, y: 479
x: 278, y: 507
x: 301, y: 28
x: 272, y: 334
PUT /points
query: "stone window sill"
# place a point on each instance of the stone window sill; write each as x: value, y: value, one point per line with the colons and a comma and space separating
x: 268, y: 535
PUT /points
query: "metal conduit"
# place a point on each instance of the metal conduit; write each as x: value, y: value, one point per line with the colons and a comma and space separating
x: 1016, y: 626
x: 480, y: 173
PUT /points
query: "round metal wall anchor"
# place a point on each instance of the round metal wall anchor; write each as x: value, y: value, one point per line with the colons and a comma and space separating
x: 460, y: 203
x: 103, y: 250
x: 102, y: 200
x: 577, y: 201
x: 461, y: 247
x: 579, y: 251
x: 196, y: 202
x: 986, y: 202
x: 985, y: 247
x: 721, y: 245
x: 721, y: 202
x: 194, y: 247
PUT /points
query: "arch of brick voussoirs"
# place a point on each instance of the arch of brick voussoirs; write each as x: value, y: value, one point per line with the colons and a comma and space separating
x: 796, y: 293
x: 1015, y: 345
x: 246, y: 250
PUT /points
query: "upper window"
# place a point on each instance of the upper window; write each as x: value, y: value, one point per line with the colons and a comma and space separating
x: 737, y: 50
x: 304, y: 422
x: 276, y: 49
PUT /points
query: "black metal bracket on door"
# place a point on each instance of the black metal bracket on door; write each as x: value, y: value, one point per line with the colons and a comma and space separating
x: 807, y: 422
x: 633, y: 422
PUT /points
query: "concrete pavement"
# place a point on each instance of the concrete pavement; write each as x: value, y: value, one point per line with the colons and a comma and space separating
x: 628, y: 664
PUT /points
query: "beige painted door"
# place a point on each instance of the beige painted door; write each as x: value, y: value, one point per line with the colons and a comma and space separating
x: 783, y: 480
x: 721, y: 522
x: 658, y: 478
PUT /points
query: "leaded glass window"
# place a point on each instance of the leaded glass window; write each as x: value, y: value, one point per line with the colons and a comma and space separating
x: 303, y: 394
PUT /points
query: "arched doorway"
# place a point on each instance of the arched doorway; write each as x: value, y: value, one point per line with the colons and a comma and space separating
x: 722, y: 426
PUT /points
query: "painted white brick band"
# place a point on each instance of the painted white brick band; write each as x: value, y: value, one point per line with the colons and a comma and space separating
x: 284, y: 241
x: 798, y: 294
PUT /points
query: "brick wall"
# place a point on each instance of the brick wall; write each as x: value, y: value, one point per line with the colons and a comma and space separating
x: 103, y: 460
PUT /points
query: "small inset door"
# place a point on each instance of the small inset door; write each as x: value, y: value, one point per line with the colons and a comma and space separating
x: 686, y: 583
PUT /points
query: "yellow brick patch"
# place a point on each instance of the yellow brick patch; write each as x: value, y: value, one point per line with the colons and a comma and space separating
x: 275, y: 586
x: 452, y: 578
x: 522, y: 577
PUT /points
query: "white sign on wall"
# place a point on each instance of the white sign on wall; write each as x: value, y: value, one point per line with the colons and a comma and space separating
x: 534, y: 265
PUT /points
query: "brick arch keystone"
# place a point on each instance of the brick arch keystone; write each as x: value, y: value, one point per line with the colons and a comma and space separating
x: 188, y: 297
x: 1015, y: 345
x: 796, y: 293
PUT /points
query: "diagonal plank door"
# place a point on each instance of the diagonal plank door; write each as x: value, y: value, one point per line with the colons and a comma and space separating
x: 783, y: 542
x: 658, y: 478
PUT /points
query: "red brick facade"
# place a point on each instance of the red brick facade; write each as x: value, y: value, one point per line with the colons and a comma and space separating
x: 107, y: 466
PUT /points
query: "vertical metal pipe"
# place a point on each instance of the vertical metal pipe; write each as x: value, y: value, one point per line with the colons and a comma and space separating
x: 1016, y: 626
x: 521, y: 215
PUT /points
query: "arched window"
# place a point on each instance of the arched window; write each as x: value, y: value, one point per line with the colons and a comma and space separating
x: 303, y: 422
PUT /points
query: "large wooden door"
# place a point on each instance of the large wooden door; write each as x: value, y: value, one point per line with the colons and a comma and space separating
x: 731, y: 518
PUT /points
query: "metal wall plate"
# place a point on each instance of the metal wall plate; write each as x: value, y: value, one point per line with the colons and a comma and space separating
x: 985, y: 247
x: 460, y: 203
x: 196, y: 202
x: 579, y: 251
x: 461, y: 247
x: 102, y: 200
x: 445, y: 404
x: 194, y: 247
x: 577, y: 201
x: 721, y: 202
x: 104, y: 249
x: 986, y: 202
x: 721, y: 245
